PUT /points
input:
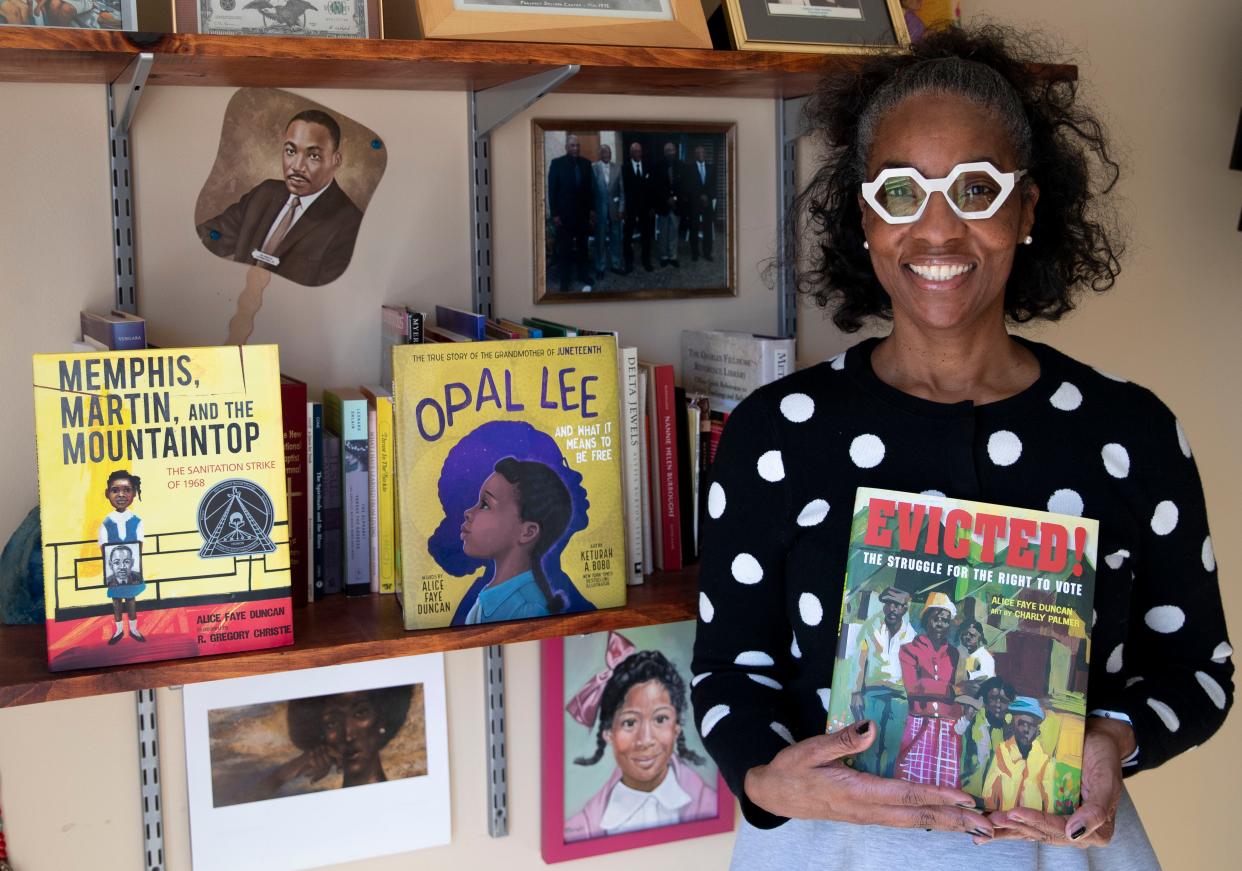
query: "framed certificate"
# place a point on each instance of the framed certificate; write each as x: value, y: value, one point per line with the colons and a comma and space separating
x: 817, y: 25
x: 357, y: 19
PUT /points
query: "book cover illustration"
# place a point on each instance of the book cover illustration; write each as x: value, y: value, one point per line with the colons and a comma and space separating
x: 965, y: 638
x: 509, y: 488
x: 165, y: 520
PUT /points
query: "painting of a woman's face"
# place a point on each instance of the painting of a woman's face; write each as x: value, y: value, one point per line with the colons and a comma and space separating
x: 644, y: 734
x: 493, y: 525
x: 351, y: 724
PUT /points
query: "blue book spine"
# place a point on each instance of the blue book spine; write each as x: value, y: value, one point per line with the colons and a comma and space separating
x: 331, y: 513
x: 355, y: 496
x: 467, y: 323
x: 316, y: 468
x: 128, y: 335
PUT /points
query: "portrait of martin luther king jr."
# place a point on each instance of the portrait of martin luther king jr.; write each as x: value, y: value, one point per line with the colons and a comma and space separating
x: 301, y: 226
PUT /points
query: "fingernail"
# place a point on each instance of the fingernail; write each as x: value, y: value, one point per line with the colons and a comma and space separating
x: 970, y: 805
x: 927, y: 830
x: 1078, y: 833
x: 864, y: 728
x: 981, y: 833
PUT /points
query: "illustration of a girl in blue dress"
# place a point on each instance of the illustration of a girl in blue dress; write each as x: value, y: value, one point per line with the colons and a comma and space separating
x: 120, y: 539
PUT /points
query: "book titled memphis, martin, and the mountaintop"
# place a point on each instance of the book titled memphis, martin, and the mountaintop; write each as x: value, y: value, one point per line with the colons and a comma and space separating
x: 964, y: 637
x: 162, y: 487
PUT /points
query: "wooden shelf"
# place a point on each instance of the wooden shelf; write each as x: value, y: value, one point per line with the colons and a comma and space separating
x: 336, y: 630
x: 94, y: 56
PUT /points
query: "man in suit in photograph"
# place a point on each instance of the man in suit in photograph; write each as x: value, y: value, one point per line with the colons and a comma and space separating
x: 638, y: 214
x: 702, y: 191
x: 303, y: 226
x: 609, y: 205
x: 670, y: 202
x: 571, y: 198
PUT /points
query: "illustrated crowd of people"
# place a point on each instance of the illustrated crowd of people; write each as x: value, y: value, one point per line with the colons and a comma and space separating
x: 597, y: 209
x: 944, y: 716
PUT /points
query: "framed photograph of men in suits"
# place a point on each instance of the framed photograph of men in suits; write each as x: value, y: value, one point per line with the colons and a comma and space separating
x: 817, y: 25
x: 289, y: 187
x: 633, y: 210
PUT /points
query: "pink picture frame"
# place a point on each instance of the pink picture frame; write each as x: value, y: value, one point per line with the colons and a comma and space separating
x: 555, y: 848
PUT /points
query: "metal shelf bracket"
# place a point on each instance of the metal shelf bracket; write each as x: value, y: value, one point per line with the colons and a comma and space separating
x: 791, y: 124
x: 149, y: 775
x: 123, y: 96
x: 497, y: 764
x: 488, y: 109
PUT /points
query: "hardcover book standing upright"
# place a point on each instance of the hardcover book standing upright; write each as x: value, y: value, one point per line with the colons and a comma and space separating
x: 165, y: 525
x: 964, y: 637
x: 509, y: 488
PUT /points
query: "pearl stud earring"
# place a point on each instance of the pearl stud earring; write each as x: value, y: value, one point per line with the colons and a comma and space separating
x: 866, y: 246
x: 1027, y: 241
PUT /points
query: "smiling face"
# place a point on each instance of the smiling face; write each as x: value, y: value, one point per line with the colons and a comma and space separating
x: 644, y: 735
x: 493, y: 526
x: 351, y: 723
x: 572, y: 146
x: 636, y: 151
x: 309, y: 158
x: 120, y: 494
x: 944, y: 272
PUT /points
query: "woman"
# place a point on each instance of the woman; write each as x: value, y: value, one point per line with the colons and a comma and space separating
x: 639, y: 699
x: 956, y: 197
x: 122, y: 526
x: 523, y: 509
x: 345, y: 731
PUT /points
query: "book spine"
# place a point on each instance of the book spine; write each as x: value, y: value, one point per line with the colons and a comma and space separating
x: 632, y: 470
x: 392, y: 332
x: 293, y: 417
x: 128, y: 335
x: 355, y: 508
x: 315, y: 471
x: 653, y: 471
x: 333, y: 564
x: 373, y: 494
x: 668, y: 479
x: 414, y: 328
x: 644, y: 467
x: 468, y: 324
x: 387, y: 489
x: 685, y: 475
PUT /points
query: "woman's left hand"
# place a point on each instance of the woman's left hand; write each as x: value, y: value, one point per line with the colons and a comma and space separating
x: 1107, y: 742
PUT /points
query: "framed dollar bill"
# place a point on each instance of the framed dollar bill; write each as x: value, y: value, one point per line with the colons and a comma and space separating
x: 340, y: 18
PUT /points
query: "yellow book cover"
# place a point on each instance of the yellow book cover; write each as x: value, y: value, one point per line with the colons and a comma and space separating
x: 509, y: 456
x: 162, y: 488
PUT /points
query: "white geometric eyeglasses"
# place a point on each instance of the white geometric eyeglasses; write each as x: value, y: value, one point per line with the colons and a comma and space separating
x: 974, y: 191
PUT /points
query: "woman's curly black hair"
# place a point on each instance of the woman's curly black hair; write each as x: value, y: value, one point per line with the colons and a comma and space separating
x: 1062, y: 145
x: 640, y: 667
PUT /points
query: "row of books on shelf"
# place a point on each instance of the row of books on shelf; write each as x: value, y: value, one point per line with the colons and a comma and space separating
x: 503, y: 469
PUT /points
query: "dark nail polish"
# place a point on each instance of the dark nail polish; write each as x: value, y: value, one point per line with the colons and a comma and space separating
x: 981, y: 833
x: 927, y: 830
x: 1082, y: 830
x: 864, y: 728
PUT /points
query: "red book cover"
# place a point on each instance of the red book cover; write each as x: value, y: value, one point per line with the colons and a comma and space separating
x: 666, y: 485
x: 293, y: 417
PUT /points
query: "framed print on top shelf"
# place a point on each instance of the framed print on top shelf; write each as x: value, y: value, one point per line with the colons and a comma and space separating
x: 829, y: 26
x: 357, y: 19
x: 318, y: 766
x: 664, y: 23
x: 629, y: 210
x: 623, y: 764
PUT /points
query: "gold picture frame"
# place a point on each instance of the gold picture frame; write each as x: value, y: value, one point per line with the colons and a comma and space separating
x: 700, y: 260
x: 823, y: 26
x: 664, y: 23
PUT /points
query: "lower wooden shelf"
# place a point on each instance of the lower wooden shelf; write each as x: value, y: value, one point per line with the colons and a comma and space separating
x: 336, y: 630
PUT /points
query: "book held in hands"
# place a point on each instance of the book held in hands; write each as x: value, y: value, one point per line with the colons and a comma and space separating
x: 964, y: 638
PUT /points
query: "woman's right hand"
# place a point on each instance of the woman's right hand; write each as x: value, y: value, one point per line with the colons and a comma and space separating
x: 809, y: 780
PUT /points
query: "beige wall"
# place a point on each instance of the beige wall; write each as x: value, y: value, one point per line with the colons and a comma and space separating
x: 1172, y: 85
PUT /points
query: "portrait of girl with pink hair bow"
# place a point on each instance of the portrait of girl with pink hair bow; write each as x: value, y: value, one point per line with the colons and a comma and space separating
x: 636, y: 708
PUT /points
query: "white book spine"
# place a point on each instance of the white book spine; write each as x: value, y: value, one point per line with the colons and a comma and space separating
x: 632, y: 469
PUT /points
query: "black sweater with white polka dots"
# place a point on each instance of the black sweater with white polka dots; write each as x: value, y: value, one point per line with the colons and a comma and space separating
x: 1077, y: 441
